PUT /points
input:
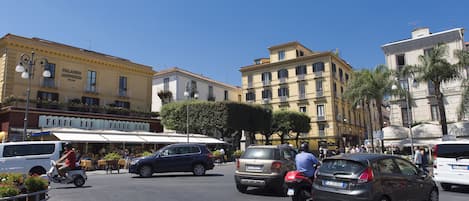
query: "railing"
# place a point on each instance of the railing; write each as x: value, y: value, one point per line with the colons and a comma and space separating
x: 322, y: 133
x: 283, y: 98
x: 250, y: 85
x: 282, y: 80
x: 319, y: 94
x: 36, y: 196
x: 302, y: 96
x: 266, y: 82
x: 321, y: 118
x: 318, y: 74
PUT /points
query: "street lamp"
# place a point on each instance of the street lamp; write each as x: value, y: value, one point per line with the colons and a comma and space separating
x: 409, y: 122
x: 187, y: 94
x: 27, y: 73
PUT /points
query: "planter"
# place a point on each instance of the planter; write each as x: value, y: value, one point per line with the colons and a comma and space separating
x: 36, y: 196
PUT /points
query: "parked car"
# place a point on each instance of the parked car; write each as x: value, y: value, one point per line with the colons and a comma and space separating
x: 29, y: 157
x: 264, y: 166
x: 372, y: 177
x: 451, y: 163
x: 195, y: 158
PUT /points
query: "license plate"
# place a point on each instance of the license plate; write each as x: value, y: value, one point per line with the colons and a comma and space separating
x: 336, y: 184
x: 254, y: 168
x: 291, y: 192
x: 460, y: 167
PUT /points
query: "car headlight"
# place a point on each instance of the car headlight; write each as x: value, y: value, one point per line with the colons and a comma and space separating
x: 133, y: 162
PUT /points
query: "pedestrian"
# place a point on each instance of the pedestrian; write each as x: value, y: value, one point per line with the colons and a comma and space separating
x: 222, y: 155
x: 418, y: 158
x: 424, y: 158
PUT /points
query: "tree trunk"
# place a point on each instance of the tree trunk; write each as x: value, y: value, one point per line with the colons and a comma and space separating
x: 441, y: 108
x: 297, y: 139
x: 370, y: 127
x: 267, y: 141
x: 282, y: 137
x: 381, y: 123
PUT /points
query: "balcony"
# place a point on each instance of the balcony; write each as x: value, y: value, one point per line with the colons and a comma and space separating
x: 48, y: 83
x: 318, y: 74
x: 282, y: 80
x: 321, y: 118
x: 266, y: 82
x: 250, y: 85
x: 283, y: 98
x: 302, y: 96
x: 266, y: 100
x: 122, y: 93
x: 319, y: 94
x: 300, y: 77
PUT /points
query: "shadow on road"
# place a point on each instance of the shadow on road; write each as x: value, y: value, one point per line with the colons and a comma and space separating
x: 460, y: 189
x: 263, y: 192
x: 178, y: 175
x: 71, y: 187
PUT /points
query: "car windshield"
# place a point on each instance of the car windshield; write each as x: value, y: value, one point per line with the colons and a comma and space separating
x: 259, y: 153
x: 453, y: 151
x: 342, y: 166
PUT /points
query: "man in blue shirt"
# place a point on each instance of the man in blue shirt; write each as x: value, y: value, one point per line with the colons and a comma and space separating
x: 305, y: 161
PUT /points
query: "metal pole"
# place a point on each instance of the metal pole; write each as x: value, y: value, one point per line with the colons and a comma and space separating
x: 28, y: 94
x: 409, y: 124
x: 187, y: 123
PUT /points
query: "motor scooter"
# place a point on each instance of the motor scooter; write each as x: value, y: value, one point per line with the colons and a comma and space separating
x: 299, y: 186
x: 76, y: 176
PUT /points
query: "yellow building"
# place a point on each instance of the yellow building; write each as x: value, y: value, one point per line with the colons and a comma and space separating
x: 84, y: 87
x: 296, y: 78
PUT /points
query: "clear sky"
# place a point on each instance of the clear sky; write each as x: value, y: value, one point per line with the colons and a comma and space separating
x: 217, y: 37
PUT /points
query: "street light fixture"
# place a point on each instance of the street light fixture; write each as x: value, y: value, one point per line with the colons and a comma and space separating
x: 27, y: 73
x: 409, y: 121
x: 187, y: 94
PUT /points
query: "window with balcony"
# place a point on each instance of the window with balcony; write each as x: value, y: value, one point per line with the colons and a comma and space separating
x: 300, y: 72
x: 318, y: 68
x: 91, y: 81
x: 281, y: 55
x: 321, y: 112
x: 282, y: 75
x: 302, y: 90
x: 49, y: 81
x: 266, y: 94
x: 166, y: 84
x: 226, y: 95
x: 266, y: 78
x: 319, y: 89
x: 250, y: 96
x: 90, y: 101
x: 122, y: 86
x: 322, y: 130
x: 47, y: 100
x: 283, y: 92
x: 122, y: 104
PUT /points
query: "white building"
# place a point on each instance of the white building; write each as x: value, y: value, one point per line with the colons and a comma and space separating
x: 406, y: 52
x: 177, y: 81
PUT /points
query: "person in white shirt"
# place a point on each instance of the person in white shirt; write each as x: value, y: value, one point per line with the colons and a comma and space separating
x: 222, y: 155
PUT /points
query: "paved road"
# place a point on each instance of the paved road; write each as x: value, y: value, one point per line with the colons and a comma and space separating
x: 217, y: 185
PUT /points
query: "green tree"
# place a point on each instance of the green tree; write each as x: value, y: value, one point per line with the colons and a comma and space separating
x: 301, y: 124
x: 463, y: 63
x: 284, y: 122
x: 370, y: 85
x: 433, y: 67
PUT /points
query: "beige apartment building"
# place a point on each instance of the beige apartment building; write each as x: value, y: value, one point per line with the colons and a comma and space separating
x: 298, y: 79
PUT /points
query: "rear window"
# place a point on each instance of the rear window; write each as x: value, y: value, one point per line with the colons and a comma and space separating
x: 26, y: 150
x: 452, y: 150
x: 261, y: 153
x: 345, y: 166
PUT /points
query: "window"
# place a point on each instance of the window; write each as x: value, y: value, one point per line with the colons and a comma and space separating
x: 303, y: 109
x: 122, y: 86
x: 406, y: 168
x: 387, y: 166
x: 90, y: 101
x: 319, y: 85
x: 210, y: 92
x: 282, y: 74
x: 266, y: 77
x: 341, y: 90
x: 122, y: 104
x: 191, y: 87
x: 301, y: 70
x: 405, y: 117
x: 435, y: 112
x: 225, y: 95
x: 299, y: 53
x: 318, y: 67
x: 249, y: 80
x: 322, y: 128
x: 320, y: 112
x: 250, y: 96
x: 452, y: 150
x: 50, y: 81
x: 28, y: 150
x: 428, y: 51
x: 346, y: 77
x: 400, y: 61
x: 47, y: 96
x: 431, y: 88
x: 266, y: 94
x: 341, y: 75
x: 302, y: 90
x: 334, y: 69
x: 281, y: 55
x: 166, y: 84
x: 91, y: 81
x: 334, y: 87
x: 283, y: 91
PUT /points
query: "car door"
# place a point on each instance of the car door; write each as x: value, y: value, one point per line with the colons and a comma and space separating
x: 165, y: 161
x: 415, y: 183
x: 392, y: 182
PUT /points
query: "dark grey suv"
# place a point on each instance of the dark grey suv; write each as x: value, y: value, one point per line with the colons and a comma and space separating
x: 372, y: 177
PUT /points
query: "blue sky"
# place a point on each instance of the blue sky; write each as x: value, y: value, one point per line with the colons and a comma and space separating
x: 215, y: 37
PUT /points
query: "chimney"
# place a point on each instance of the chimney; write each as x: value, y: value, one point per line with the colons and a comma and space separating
x: 420, y: 32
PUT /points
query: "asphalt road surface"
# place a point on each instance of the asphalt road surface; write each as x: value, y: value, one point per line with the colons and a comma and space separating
x: 218, y: 184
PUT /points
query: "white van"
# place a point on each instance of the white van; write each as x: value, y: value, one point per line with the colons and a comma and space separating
x: 451, y: 163
x: 29, y: 157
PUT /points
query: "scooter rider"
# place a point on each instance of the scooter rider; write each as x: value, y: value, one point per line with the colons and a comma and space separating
x: 67, y: 161
x: 305, y: 161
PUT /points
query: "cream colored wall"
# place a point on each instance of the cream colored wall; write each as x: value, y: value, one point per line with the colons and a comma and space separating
x: 3, y: 56
x: 290, y: 53
x: 107, y: 79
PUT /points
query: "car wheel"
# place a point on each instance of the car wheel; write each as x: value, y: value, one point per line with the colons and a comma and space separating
x: 445, y: 186
x: 302, y: 195
x: 384, y: 198
x: 145, y: 171
x: 241, y: 188
x: 198, y: 170
x: 36, y: 171
x: 434, y: 195
x: 79, y: 181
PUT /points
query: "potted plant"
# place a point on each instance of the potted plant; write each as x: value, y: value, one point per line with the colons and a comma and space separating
x: 112, y: 161
x: 237, y: 154
x: 146, y: 153
x: 8, y: 191
x: 36, y: 184
x: 216, y: 155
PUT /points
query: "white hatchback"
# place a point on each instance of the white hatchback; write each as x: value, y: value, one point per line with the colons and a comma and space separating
x: 451, y: 163
x: 29, y: 157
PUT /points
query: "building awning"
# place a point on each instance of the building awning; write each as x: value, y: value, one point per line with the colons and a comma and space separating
x: 123, y: 138
x: 78, y: 137
x: 157, y: 139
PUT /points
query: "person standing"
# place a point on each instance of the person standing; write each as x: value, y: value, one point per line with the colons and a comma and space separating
x: 222, y: 155
x: 418, y: 158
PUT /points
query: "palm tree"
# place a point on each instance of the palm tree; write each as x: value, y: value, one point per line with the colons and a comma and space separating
x: 370, y: 85
x: 434, y: 68
x: 463, y: 63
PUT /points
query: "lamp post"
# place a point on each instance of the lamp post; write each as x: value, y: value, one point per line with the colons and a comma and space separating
x: 187, y: 94
x: 409, y: 122
x: 28, y: 73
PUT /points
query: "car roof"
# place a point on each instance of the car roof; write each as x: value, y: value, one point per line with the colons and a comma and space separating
x: 269, y: 146
x: 455, y: 142
x: 361, y: 157
x: 31, y: 142
x: 186, y: 144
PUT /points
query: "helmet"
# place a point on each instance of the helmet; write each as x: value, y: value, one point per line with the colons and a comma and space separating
x: 304, y: 147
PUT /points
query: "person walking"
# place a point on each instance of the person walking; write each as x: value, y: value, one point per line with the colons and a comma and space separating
x: 418, y: 158
x: 222, y: 155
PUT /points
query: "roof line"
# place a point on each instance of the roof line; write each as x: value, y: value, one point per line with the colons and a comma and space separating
x: 430, y: 35
x: 177, y: 69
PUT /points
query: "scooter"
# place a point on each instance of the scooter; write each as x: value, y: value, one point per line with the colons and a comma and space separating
x: 299, y: 186
x: 76, y: 176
